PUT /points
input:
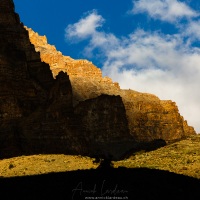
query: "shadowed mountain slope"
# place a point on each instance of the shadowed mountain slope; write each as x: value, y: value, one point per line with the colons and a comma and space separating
x: 36, y: 109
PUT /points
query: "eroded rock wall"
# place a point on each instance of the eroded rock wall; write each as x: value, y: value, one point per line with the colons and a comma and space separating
x: 34, y: 107
x: 37, y: 113
x: 105, y: 125
x: 149, y: 118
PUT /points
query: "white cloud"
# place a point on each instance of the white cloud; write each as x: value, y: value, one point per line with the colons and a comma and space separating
x: 152, y: 62
x: 192, y: 30
x: 170, y: 73
x: 165, y: 10
x: 85, y: 27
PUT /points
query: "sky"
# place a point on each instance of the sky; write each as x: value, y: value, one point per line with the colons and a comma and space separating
x: 150, y: 46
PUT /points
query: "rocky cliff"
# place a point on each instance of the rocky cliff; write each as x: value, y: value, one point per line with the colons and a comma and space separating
x: 86, y: 79
x: 149, y: 118
x: 104, y: 123
x: 37, y: 114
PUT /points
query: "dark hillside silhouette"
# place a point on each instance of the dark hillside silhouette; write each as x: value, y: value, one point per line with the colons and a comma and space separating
x: 132, y: 184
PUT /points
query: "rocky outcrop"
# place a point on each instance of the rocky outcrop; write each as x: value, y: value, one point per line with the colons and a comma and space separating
x: 149, y: 118
x: 37, y: 113
x: 104, y: 123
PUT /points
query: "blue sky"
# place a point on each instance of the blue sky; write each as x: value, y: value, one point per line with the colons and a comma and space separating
x: 150, y: 46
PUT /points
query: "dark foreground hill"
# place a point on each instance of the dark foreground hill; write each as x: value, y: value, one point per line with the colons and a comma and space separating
x: 106, y: 183
x: 133, y: 177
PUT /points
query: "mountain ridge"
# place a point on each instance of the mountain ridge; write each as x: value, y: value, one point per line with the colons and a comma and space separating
x: 88, y: 82
x: 74, y: 110
x: 36, y: 110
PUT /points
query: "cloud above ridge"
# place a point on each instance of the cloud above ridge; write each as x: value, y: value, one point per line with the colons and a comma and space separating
x: 165, y: 10
x: 167, y: 65
x: 85, y: 27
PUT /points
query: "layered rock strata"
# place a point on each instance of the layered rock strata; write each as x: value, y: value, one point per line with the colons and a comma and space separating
x: 36, y: 109
x: 149, y: 118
